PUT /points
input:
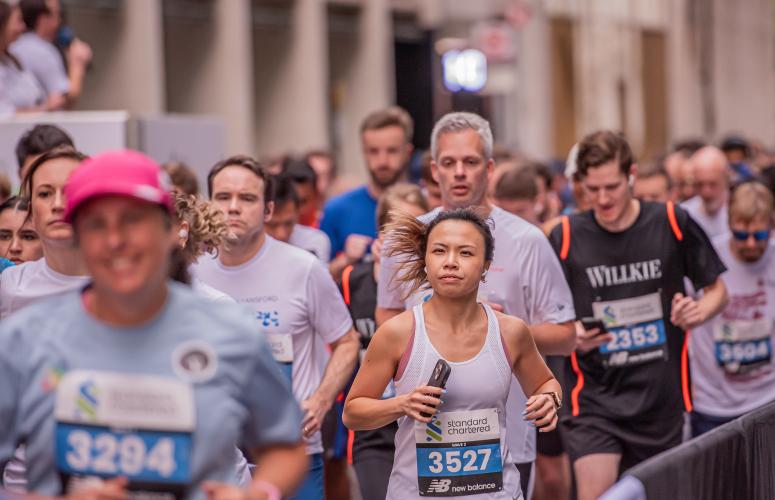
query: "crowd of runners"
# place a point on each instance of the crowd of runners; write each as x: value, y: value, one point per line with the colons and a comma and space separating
x: 499, y: 328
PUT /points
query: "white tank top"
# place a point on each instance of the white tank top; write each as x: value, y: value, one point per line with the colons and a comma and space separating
x: 463, y: 452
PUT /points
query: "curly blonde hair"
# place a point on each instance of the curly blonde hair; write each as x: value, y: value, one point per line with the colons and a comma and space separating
x: 206, y: 226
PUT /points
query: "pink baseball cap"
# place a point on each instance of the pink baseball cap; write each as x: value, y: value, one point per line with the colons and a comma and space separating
x: 123, y: 173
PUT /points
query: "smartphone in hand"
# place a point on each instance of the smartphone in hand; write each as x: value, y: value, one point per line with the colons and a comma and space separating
x: 589, y: 323
x: 439, y: 377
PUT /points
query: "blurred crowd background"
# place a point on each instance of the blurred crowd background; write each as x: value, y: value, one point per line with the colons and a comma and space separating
x: 285, y: 78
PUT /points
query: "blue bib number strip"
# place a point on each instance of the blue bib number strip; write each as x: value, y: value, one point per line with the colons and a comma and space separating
x: 146, y: 456
x: 741, y: 357
x: 635, y: 344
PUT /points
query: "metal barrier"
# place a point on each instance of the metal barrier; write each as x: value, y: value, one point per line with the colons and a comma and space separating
x: 733, y: 461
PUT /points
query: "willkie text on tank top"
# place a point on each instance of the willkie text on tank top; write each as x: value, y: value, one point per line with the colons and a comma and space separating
x: 600, y: 276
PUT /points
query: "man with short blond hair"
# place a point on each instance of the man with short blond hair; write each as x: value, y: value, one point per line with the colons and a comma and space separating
x: 733, y: 369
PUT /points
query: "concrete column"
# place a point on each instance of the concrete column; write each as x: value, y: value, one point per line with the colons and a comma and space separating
x: 685, y: 113
x: 743, y: 50
x: 228, y: 86
x: 209, y: 62
x: 292, y: 101
x: 597, y: 69
x: 369, y: 83
x: 128, y: 68
x: 530, y: 116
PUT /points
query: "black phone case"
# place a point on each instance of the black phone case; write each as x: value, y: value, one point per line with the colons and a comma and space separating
x: 589, y: 323
x: 439, y: 377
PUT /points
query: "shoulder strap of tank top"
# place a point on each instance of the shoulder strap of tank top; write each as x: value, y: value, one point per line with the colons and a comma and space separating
x: 497, y: 346
x: 419, y: 323
x: 565, y: 247
x: 673, y: 221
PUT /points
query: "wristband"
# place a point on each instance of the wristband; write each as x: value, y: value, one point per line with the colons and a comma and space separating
x: 272, y: 491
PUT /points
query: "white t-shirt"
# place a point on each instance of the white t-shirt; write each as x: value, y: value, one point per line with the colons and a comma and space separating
x: 210, y: 293
x: 713, y: 225
x: 32, y: 281
x: 525, y: 277
x: 312, y: 240
x: 733, y: 370
x: 294, y: 299
x: 42, y: 59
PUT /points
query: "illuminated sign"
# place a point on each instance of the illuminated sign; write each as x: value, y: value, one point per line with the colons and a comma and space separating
x: 464, y: 70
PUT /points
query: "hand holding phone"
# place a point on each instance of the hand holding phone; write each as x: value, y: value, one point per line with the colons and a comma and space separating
x: 591, y: 333
x: 439, y: 378
x: 590, y: 322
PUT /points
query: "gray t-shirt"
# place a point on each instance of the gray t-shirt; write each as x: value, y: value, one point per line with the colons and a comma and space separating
x: 162, y: 403
x: 43, y: 60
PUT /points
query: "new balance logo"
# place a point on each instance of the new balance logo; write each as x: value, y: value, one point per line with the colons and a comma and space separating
x: 618, y: 358
x: 439, y: 486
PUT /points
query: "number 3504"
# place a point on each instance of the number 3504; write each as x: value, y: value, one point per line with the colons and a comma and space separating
x: 108, y: 454
x: 452, y: 461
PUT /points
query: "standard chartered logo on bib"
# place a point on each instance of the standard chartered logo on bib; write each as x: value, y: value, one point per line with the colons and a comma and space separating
x: 139, y: 427
x: 459, y: 453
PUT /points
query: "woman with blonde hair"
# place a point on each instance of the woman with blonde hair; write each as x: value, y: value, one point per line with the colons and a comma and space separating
x: 201, y: 230
x: 451, y: 435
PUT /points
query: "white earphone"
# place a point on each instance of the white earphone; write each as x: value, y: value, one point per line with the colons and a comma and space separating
x: 183, y: 233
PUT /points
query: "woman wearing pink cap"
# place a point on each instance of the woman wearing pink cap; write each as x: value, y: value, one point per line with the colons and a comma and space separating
x: 135, y: 383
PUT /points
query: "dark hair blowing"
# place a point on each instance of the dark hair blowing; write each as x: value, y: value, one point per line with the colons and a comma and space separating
x: 601, y: 147
x: 408, y: 241
x: 245, y: 162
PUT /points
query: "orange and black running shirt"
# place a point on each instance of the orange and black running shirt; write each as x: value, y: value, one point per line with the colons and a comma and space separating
x: 628, y: 280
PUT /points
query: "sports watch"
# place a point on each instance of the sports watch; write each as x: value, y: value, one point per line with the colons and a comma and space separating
x: 555, y: 398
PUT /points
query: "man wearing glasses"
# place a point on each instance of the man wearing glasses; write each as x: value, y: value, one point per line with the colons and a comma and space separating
x: 731, y: 355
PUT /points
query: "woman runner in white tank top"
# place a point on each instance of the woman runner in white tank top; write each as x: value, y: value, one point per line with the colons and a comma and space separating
x: 461, y: 450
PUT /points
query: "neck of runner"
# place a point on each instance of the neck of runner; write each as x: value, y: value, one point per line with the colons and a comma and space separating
x: 236, y: 254
x: 64, y: 260
x: 625, y: 220
x: 459, y: 313
x: 119, y: 310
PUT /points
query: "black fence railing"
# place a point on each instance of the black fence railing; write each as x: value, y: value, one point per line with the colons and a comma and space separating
x: 734, y: 461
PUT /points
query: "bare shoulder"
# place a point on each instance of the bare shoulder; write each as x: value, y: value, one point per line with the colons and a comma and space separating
x: 393, y: 335
x: 514, y: 330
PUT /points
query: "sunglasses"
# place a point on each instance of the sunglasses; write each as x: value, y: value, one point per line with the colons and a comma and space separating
x: 757, y: 235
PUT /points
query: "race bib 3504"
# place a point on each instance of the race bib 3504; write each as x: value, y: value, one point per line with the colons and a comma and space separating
x: 459, y: 454
x: 638, y: 329
x: 743, y: 346
x: 119, y: 425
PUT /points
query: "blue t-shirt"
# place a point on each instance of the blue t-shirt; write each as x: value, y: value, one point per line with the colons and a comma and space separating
x: 163, y: 403
x: 354, y: 212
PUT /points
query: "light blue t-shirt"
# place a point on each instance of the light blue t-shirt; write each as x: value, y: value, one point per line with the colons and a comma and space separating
x: 162, y: 404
